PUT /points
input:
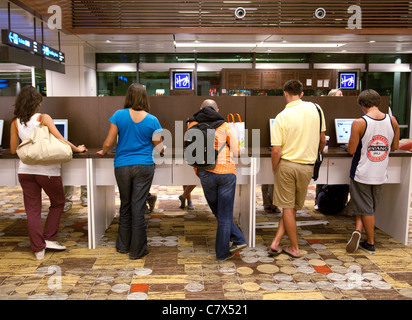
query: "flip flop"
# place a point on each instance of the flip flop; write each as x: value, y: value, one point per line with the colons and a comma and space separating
x: 274, y: 253
x: 290, y: 254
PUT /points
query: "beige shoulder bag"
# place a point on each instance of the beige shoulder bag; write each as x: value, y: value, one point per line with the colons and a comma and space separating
x: 42, y: 147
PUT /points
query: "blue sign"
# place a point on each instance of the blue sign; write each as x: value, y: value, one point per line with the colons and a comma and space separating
x: 182, y: 80
x: 17, y: 40
x: 347, y: 80
x: 4, y: 83
x: 123, y: 78
x: 52, y: 53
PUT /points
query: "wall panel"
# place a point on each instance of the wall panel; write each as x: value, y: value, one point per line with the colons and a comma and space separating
x: 89, y: 116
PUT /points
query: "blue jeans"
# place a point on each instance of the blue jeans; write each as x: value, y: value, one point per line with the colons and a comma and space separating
x: 134, y: 184
x: 219, y: 190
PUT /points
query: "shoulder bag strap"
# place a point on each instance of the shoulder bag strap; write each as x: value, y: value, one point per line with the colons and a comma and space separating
x: 15, y: 125
x: 320, y: 116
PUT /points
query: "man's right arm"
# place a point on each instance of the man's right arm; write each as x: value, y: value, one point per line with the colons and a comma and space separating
x: 275, y: 155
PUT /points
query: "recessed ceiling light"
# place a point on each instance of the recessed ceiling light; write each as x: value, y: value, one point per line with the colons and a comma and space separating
x: 258, y: 45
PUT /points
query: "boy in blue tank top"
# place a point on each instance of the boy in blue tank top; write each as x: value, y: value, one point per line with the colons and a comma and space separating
x: 372, y: 138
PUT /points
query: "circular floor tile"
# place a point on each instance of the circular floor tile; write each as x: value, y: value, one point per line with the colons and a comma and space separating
x: 120, y: 288
x: 406, y: 292
x: 336, y: 277
x: 282, y: 277
x: 139, y: 287
x: 250, y: 286
x: 142, y: 272
x: 269, y: 286
x: 137, y: 296
x: 194, y: 287
x: 288, y: 285
x: 317, y: 262
x: 268, y: 268
x: 325, y: 285
x: 245, y: 271
x: 307, y: 285
x: 372, y: 276
x: 232, y: 286
x: 383, y: 285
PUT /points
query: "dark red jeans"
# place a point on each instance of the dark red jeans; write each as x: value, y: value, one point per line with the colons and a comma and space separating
x: 32, y: 186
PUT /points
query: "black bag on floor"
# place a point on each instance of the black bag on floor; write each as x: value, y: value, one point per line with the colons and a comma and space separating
x: 332, y: 198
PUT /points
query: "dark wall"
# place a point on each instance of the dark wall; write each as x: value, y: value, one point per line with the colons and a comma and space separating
x: 89, y: 116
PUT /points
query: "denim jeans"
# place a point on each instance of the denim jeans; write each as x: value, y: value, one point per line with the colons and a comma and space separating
x: 134, y: 184
x: 219, y: 190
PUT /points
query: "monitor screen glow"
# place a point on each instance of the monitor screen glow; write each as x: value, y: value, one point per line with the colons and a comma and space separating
x: 63, y: 126
x: 348, y: 80
x: 271, y: 121
x: 343, y: 129
x: 182, y: 80
x: 1, y: 132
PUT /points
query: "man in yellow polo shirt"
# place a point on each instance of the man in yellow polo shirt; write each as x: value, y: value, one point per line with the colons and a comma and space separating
x: 295, y: 139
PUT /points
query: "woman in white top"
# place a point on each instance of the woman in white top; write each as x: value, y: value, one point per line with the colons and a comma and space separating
x: 34, y: 178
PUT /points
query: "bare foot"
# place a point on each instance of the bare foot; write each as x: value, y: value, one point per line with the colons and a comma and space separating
x: 294, y: 253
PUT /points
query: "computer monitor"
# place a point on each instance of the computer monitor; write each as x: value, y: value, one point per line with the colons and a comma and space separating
x: 271, y: 121
x: 343, y: 128
x: 1, y: 132
x: 181, y: 79
x: 348, y: 80
x: 63, y: 126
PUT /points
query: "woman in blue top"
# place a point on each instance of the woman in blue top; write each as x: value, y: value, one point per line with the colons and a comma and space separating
x: 138, y: 133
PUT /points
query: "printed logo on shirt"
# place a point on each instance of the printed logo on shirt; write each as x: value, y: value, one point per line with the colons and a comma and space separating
x: 378, y: 149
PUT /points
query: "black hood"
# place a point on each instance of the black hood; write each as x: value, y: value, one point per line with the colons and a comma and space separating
x: 207, y: 114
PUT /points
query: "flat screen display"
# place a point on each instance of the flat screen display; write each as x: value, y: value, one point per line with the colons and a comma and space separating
x: 4, y: 83
x: 1, y: 132
x: 63, y: 126
x: 343, y: 128
x: 348, y: 80
x: 182, y: 80
x: 271, y: 121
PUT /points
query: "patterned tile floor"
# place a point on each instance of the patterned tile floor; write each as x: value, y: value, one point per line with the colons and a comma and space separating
x: 181, y: 264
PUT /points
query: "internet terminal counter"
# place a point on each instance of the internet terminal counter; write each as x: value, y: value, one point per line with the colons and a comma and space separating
x: 97, y: 173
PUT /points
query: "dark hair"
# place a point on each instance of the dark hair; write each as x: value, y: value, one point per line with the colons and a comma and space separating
x: 136, y: 98
x: 293, y: 87
x: 369, y: 98
x: 27, y: 103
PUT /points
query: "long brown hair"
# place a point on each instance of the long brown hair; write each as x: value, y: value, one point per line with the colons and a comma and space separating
x: 136, y: 98
x: 27, y: 103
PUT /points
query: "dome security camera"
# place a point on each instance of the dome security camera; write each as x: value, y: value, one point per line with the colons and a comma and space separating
x: 320, y: 13
x: 240, y: 13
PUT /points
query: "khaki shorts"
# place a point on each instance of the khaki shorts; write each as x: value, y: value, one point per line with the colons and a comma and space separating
x: 291, y: 184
